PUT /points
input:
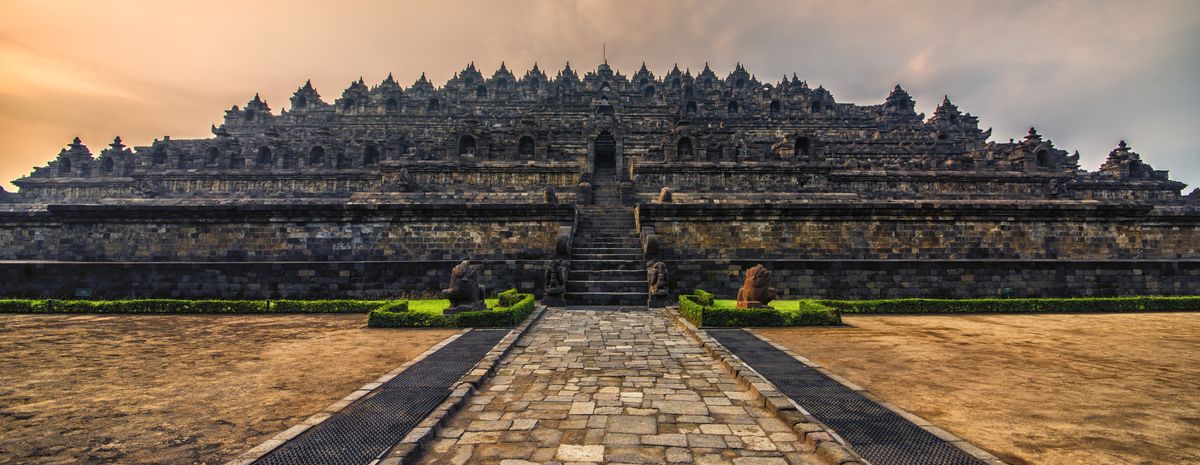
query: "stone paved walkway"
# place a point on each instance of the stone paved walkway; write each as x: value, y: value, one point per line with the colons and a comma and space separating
x: 613, y: 387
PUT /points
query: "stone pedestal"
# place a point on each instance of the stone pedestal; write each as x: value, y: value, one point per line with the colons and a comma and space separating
x: 473, y: 307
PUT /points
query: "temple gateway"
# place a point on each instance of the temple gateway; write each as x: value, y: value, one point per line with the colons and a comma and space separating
x: 575, y: 183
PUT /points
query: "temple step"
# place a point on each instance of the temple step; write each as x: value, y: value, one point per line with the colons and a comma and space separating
x: 607, y: 298
x: 608, y: 275
x: 606, y: 265
x: 619, y: 287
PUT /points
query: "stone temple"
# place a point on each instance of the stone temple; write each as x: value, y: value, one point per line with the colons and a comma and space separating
x: 384, y: 189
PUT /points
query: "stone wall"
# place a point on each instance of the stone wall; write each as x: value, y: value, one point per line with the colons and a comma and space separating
x: 878, y: 279
x: 923, y: 230
x: 257, y: 280
x: 299, y: 232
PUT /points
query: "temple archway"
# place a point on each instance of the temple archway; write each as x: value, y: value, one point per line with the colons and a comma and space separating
x: 606, y: 152
x: 683, y: 150
x: 212, y: 155
x: 316, y: 156
x: 803, y: 147
x: 159, y: 156
x: 466, y: 145
x: 1043, y: 158
x: 263, y: 158
x: 525, y: 147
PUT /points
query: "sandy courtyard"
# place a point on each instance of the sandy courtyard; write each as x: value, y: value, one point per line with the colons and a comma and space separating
x: 178, y: 389
x: 1031, y: 389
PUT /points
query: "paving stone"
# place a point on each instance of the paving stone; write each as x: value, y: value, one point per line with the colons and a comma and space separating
x: 679, y: 455
x: 523, y: 424
x: 760, y: 461
x: 634, y: 454
x: 633, y: 424
x: 631, y: 388
x: 672, y: 439
x: 582, y: 408
x: 579, y: 453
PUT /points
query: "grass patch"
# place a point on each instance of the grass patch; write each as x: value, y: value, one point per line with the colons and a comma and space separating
x: 435, y: 306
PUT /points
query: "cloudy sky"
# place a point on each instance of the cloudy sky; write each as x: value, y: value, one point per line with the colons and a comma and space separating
x: 1085, y: 73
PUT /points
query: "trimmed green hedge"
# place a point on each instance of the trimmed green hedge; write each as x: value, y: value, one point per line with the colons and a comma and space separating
x: 1076, y: 305
x: 134, y: 306
x: 187, y: 306
x: 399, y: 316
x: 702, y: 310
x: 509, y: 298
x: 326, y: 306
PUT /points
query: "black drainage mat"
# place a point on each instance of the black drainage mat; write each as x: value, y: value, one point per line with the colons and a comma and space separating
x: 878, y: 434
x: 369, y: 427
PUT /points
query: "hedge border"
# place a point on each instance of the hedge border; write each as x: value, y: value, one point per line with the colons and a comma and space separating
x: 178, y: 306
x: 699, y: 308
x: 398, y: 316
x: 1047, y: 305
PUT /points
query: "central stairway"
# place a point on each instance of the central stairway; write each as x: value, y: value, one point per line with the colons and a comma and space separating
x: 607, y: 265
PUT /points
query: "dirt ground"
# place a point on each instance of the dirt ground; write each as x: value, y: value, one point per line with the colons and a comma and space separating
x: 1031, y: 389
x: 178, y: 389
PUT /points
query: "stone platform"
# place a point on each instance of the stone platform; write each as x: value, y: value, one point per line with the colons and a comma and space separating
x: 590, y: 385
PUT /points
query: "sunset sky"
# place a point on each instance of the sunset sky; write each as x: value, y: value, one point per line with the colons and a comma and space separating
x: 1085, y: 73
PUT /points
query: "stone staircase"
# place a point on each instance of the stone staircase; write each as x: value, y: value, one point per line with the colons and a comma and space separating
x: 607, y: 265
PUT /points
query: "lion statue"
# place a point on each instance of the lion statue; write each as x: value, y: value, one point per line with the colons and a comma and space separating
x: 465, y: 292
x: 756, y: 291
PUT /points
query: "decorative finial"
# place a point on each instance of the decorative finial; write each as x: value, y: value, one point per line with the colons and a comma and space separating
x: 1122, y: 146
x: 76, y: 141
